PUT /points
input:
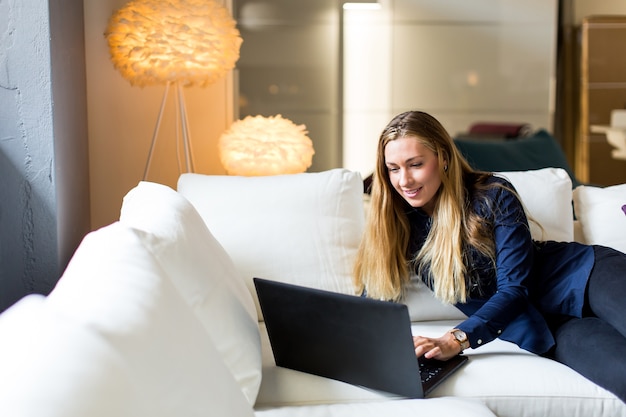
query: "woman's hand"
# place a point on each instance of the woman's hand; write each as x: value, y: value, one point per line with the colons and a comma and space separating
x: 441, y: 348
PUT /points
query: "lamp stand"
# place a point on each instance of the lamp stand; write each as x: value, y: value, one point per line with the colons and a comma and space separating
x: 182, y: 130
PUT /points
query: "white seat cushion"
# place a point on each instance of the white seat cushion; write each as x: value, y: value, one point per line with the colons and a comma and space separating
x: 443, y: 407
x: 514, y: 382
x: 506, y: 378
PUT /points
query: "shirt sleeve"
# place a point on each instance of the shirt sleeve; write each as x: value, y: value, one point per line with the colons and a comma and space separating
x: 514, y: 260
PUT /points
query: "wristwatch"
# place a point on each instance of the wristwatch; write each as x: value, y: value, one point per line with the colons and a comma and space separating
x: 461, y: 338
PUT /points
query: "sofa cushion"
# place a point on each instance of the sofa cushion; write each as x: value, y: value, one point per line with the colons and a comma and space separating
x: 510, y: 381
x: 547, y: 197
x: 301, y: 228
x: 129, y: 342
x: 513, y: 382
x: 398, y: 408
x: 201, y: 270
x: 599, y: 210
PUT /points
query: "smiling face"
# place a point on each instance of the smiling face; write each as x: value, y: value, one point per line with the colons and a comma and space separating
x: 413, y: 171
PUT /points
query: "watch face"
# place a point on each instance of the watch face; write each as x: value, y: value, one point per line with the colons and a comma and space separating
x: 460, y: 335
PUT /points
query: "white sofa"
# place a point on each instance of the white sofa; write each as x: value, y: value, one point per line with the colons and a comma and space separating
x: 156, y: 314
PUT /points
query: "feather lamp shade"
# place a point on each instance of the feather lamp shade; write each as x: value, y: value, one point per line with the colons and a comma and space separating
x: 192, y: 42
x: 260, y: 145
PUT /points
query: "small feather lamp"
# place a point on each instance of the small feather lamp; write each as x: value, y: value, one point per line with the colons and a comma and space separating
x: 173, y: 42
x: 261, y: 145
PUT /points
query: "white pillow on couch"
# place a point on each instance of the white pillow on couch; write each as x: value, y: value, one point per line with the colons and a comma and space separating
x: 303, y: 229
x: 601, y: 216
x: 547, y: 197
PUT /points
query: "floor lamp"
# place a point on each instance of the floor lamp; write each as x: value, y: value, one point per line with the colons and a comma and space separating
x: 176, y: 43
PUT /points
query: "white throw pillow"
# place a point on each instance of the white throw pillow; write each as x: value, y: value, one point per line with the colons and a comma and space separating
x: 201, y: 270
x: 114, y: 287
x: 547, y: 197
x: 303, y: 229
x: 601, y: 216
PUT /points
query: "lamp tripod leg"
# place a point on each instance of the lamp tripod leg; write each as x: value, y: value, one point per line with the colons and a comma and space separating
x: 188, y: 151
x: 156, y: 130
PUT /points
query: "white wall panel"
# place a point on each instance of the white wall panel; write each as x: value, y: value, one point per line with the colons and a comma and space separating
x: 501, y: 68
x: 463, y: 62
x: 367, y: 85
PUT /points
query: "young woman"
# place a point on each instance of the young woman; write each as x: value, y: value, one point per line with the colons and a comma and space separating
x: 465, y: 234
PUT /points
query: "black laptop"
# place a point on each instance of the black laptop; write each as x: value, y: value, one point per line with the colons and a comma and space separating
x: 352, y: 339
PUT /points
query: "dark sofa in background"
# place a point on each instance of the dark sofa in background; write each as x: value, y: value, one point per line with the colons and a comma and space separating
x: 539, y: 150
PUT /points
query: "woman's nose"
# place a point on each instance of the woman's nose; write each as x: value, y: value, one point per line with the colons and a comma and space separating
x: 404, y: 177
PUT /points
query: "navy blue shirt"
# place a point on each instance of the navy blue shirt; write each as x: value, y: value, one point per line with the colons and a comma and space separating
x: 529, y: 281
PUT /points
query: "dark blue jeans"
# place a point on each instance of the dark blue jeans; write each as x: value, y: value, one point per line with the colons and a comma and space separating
x: 595, y: 345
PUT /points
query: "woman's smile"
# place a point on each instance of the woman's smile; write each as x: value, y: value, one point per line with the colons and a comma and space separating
x: 411, y: 193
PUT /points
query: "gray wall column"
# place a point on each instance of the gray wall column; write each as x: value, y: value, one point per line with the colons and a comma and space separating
x: 44, y: 198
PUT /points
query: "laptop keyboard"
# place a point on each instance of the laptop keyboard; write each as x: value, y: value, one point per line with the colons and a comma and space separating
x: 429, y: 369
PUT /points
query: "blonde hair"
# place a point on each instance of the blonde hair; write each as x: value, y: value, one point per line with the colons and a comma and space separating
x: 382, y: 266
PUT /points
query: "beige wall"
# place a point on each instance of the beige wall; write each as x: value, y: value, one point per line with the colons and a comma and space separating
x: 584, y: 8
x: 122, y: 118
